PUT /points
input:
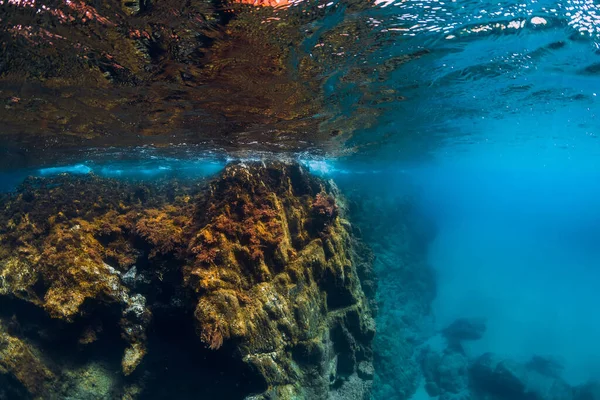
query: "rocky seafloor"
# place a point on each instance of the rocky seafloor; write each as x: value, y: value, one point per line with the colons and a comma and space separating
x: 251, y: 285
x: 414, y: 358
x: 263, y: 282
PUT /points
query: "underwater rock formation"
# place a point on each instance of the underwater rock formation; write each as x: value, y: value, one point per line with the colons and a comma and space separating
x: 245, y: 286
x: 17, y: 359
x: 450, y: 374
x: 275, y: 273
x: 505, y: 379
x: 446, y: 374
x: 589, y: 391
x: 465, y: 329
x: 399, y: 236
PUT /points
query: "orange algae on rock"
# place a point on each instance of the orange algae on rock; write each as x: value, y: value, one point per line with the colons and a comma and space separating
x: 275, y: 273
x: 260, y: 261
x: 52, y: 255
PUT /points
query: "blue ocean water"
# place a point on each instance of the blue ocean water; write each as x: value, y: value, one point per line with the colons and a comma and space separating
x: 510, y: 90
x: 513, y: 189
x: 518, y: 244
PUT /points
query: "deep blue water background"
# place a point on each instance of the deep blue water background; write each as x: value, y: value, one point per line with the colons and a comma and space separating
x: 517, y: 243
x: 509, y: 96
x: 520, y: 246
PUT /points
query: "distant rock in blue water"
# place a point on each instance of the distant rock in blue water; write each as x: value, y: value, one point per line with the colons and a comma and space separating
x: 465, y: 329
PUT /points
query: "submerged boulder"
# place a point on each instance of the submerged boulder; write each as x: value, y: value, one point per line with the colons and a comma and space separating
x: 465, y: 329
x: 446, y: 374
x: 450, y: 374
x: 259, y: 263
x: 506, y: 379
x: 588, y: 391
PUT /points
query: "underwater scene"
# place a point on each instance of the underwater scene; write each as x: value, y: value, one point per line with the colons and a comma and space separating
x: 300, y: 199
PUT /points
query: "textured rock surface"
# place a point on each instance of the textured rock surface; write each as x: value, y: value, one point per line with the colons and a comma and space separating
x: 399, y: 237
x: 274, y: 271
x: 259, y: 263
x: 446, y: 374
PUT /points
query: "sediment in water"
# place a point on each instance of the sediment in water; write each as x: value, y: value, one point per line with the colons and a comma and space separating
x: 251, y: 285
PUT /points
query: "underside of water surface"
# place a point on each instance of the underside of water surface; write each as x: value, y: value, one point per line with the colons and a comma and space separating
x: 305, y: 199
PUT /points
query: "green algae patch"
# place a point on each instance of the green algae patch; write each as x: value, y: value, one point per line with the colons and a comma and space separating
x: 249, y: 285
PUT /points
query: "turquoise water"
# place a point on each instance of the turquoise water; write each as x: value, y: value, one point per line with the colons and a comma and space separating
x: 517, y: 243
x: 520, y: 248
x: 514, y: 187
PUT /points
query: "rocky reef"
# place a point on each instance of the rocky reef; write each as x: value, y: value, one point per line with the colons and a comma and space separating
x: 250, y: 285
x: 451, y: 373
x: 398, y: 235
